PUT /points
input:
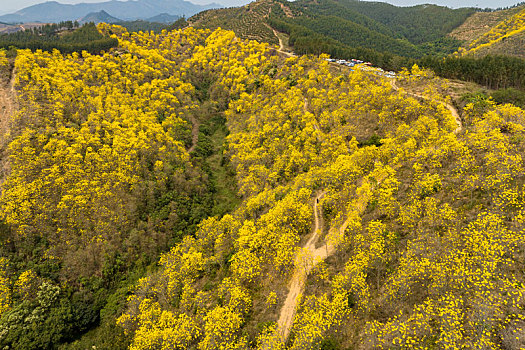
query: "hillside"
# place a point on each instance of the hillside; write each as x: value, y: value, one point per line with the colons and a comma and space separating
x: 387, y: 36
x: 351, y: 34
x: 13, y: 28
x: 511, y: 45
x: 418, y: 228
x: 355, y: 28
x: 190, y: 189
x: 248, y: 22
x: 507, y: 36
x: 417, y: 24
x: 480, y: 23
x: 333, y: 8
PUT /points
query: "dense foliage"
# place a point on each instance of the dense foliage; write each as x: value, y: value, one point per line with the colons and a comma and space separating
x: 432, y: 218
x: 509, y: 95
x: 144, y: 26
x: 418, y: 24
x: 355, y: 35
x: 100, y: 180
x: 407, y: 31
x: 306, y: 41
x: 495, y: 72
x: 62, y: 36
x: 116, y: 159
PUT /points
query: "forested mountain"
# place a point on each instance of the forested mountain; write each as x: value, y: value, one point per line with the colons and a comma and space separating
x: 194, y: 190
x: 354, y: 35
x: 125, y: 191
x: 333, y: 8
x: 350, y: 25
x: 418, y: 24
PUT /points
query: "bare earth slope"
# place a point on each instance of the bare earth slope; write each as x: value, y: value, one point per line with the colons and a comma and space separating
x: 495, y: 33
x: 480, y: 23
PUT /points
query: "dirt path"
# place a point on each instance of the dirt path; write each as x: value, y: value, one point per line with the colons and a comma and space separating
x: 194, y: 133
x: 451, y: 108
x: 7, y: 102
x: 12, y: 81
x: 310, y: 256
x: 281, y: 44
x: 305, y: 105
x: 288, y: 310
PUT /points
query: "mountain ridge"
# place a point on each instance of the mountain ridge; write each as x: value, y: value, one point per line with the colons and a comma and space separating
x: 163, y: 18
x: 99, y: 17
x: 53, y: 11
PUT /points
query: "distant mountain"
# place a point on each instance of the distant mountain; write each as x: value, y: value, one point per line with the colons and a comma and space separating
x: 53, y: 11
x: 98, y: 17
x: 164, y: 18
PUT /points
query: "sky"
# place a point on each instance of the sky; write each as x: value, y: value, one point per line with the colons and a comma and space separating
x: 9, y: 6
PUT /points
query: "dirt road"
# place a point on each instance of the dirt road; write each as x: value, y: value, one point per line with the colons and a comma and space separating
x: 7, y: 102
x: 281, y: 45
x: 451, y: 108
x: 303, y: 267
x: 309, y: 256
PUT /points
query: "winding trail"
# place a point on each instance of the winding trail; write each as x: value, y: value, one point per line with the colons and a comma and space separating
x: 310, y: 256
x: 281, y: 44
x: 194, y: 133
x: 451, y: 108
x: 298, y: 280
x: 305, y: 105
x: 7, y: 102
